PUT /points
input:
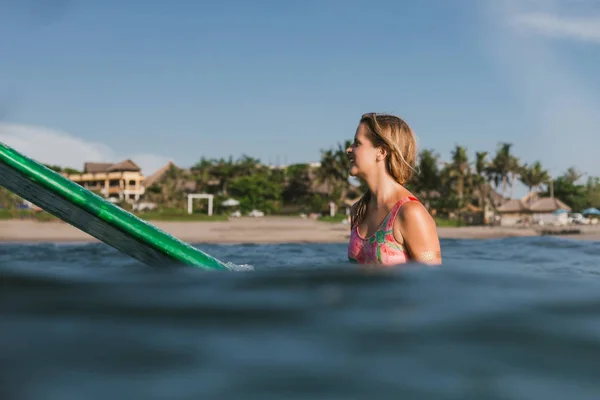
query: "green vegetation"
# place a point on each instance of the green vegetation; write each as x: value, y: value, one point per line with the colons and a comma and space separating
x: 335, y: 219
x: 450, y: 189
x: 446, y: 222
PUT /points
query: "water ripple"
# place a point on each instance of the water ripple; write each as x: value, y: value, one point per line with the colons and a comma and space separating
x: 511, y: 318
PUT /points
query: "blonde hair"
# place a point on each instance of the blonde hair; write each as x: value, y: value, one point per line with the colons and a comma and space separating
x: 393, y: 135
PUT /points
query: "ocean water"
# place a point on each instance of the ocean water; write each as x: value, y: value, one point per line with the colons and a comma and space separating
x: 514, y: 318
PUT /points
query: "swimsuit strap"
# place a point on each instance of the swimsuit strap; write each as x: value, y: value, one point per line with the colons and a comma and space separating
x: 391, y: 217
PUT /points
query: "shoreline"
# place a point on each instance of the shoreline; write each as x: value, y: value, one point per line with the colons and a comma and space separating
x: 267, y: 230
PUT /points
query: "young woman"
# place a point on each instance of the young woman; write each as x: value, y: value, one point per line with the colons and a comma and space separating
x: 389, y: 225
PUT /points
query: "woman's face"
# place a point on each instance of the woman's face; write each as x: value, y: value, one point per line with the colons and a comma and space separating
x: 362, y: 153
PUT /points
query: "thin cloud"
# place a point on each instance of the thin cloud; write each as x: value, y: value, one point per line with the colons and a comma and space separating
x: 560, y: 108
x: 54, y: 147
x: 585, y: 29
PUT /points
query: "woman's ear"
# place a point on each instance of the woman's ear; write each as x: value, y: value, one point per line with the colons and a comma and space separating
x: 381, y: 154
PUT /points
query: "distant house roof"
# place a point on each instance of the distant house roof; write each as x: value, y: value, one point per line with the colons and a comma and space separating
x: 548, y: 204
x: 540, y: 205
x: 513, y: 206
x: 158, y: 175
x: 126, y: 165
x: 92, y: 167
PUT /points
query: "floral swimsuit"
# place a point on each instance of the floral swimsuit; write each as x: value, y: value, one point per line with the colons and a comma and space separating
x: 381, y: 247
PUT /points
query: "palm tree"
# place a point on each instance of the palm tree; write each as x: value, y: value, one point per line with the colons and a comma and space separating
x: 459, y: 171
x: 334, y: 170
x: 501, y: 167
x: 533, y: 176
x: 514, y: 169
x: 573, y: 175
x: 479, y: 178
x: 428, y: 180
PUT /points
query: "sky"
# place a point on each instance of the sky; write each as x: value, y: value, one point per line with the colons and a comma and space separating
x: 158, y: 81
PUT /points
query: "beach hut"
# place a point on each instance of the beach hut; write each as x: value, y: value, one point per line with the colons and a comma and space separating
x: 532, y: 208
x: 550, y: 210
x: 548, y: 205
x: 512, y: 212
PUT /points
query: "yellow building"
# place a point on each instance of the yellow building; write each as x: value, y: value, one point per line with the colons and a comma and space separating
x: 120, y: 181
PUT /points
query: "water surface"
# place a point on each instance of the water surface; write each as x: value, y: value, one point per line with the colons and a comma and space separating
x: 512, y: 318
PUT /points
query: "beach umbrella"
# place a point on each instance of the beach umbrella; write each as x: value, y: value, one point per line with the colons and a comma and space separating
x: 230, y: 203
x: 591, y: 211
x: 560, y: 211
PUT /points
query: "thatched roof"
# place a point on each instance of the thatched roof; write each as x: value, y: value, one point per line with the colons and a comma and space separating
x: 548, y: 204
x: 126, y: 165
x: 540, y: 205
x: 158, y: 175
x: 513, y: 206
x: 93, y: 167
x: 530, y: 198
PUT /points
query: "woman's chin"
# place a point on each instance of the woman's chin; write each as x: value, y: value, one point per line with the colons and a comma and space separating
x: 353, y: 171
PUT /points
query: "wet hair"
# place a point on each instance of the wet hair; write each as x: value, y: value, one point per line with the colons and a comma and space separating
x: 393, y: 135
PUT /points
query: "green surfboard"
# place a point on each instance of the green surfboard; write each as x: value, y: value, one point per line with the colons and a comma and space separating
x: 95, y: 215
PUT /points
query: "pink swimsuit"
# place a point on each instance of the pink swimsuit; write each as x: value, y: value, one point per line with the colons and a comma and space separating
x: 381, y: 247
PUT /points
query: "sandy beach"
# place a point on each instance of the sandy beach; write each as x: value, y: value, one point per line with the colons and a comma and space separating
x: 253, y: 230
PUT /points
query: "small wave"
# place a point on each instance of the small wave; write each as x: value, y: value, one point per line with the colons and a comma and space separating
x: 239, y: 267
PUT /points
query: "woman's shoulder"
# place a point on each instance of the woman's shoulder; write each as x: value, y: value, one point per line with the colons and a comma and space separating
x: 414, y: 213
x: 411, y: 208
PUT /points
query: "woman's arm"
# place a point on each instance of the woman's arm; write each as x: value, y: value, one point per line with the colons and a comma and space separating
x: 420, y: 235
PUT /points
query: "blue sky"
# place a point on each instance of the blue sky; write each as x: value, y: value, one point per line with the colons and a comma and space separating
x: 157, y: 81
